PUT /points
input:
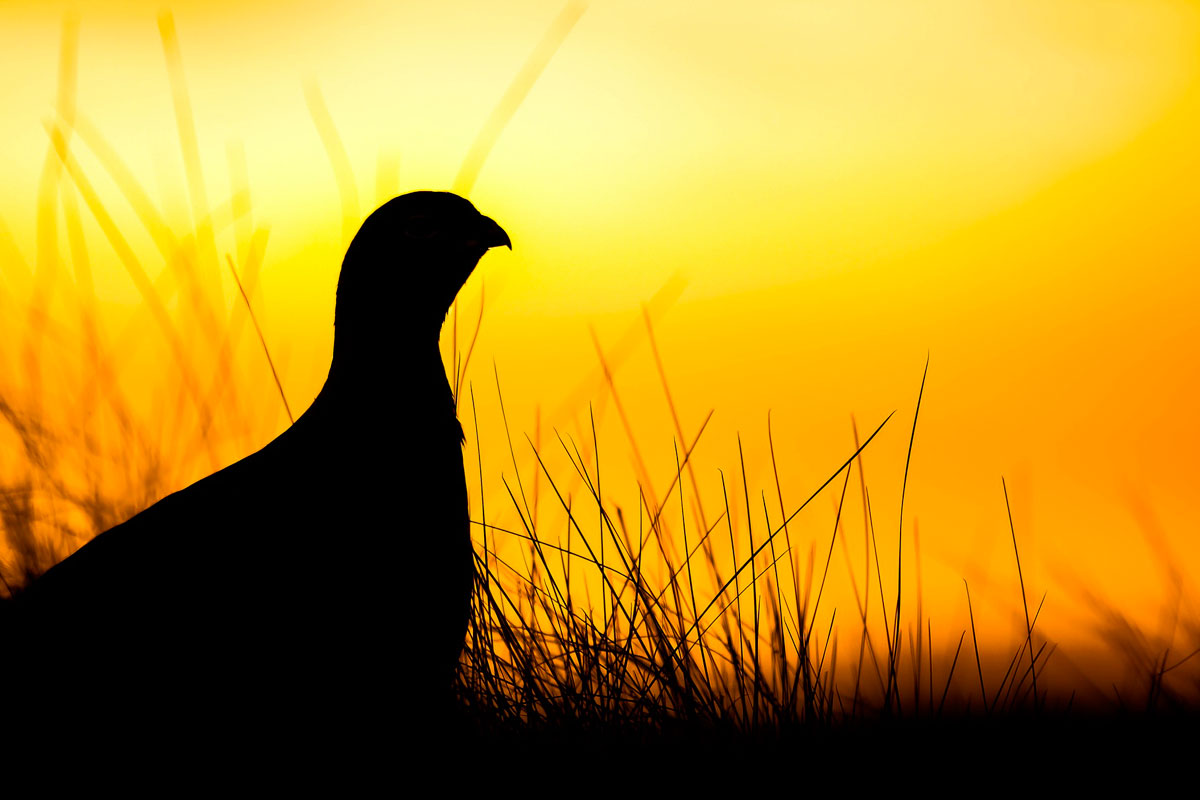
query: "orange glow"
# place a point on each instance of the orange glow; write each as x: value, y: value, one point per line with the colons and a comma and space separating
x: 829, y: 191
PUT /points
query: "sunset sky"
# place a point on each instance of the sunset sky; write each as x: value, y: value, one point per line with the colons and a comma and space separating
x: 829, y: 191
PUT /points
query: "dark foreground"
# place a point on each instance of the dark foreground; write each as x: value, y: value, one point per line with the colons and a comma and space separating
x: 1028, y: 752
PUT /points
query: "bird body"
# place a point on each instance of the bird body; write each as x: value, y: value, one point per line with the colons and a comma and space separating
x: 326, y: 577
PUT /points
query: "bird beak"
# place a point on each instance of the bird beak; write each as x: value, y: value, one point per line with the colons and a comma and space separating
x: 492, y: 235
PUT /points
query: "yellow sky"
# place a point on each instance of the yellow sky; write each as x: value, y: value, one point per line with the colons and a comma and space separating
x: 842, y: 187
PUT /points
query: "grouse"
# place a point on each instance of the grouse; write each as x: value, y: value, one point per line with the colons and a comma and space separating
x: 322, y: 582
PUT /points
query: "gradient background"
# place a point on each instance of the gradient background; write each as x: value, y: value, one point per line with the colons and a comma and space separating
x: 811, y: 196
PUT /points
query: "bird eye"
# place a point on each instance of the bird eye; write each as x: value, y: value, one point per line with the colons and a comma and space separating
x: 420, y: 227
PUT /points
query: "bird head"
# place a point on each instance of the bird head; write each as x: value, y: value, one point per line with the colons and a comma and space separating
x: 410, y: 258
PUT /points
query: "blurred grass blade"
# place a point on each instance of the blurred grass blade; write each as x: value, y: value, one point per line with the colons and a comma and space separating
x: 343, y: 173
x: 485, y: 140
x: 190, y: 147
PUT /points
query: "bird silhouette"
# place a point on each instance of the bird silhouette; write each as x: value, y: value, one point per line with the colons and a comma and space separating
x: 320, y: 582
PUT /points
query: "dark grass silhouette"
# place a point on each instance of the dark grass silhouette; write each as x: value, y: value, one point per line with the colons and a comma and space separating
x: 670, y: 680
x: 351, y: 588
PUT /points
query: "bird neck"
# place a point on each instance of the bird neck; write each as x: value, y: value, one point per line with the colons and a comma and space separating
x: 368, y: 366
